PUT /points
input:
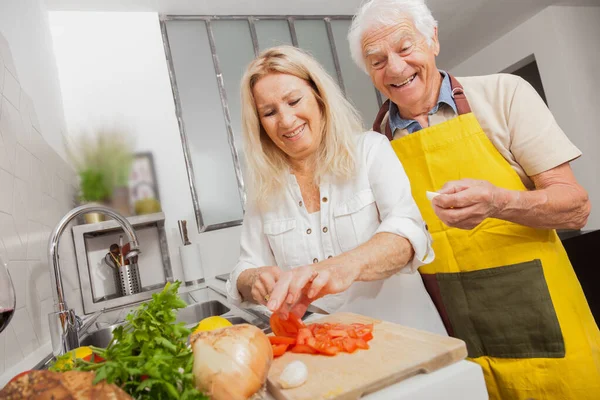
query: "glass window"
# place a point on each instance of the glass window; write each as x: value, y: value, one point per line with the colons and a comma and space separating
x: 213, y: 172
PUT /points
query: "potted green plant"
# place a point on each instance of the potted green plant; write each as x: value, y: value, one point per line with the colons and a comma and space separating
x: 103, y: 162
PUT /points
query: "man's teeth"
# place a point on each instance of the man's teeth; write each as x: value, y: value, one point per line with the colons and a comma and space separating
x: 295, y: 133
x: 406, y: 82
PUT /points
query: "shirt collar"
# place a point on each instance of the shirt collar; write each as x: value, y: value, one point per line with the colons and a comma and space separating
x: 445, y: 97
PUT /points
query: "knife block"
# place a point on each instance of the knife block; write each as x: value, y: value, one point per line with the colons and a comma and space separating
x: 191, y: 263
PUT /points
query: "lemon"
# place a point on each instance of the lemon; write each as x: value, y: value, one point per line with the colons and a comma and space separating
x: 211, y: 323
x: 80, y: 352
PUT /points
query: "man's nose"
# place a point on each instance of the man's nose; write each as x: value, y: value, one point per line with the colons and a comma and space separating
x: 396, y: 64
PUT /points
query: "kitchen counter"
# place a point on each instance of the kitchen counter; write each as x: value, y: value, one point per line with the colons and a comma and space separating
x: 461, y: 381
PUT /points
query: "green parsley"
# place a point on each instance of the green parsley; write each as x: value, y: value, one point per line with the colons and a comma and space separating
x: 148, y: 356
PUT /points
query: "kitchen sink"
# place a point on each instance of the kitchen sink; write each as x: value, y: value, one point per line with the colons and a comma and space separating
x: 194, y: 313
x: 189, y: 315
x: 100, y: 338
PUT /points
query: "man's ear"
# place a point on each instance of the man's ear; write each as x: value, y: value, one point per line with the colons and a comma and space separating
x: 435, y: 44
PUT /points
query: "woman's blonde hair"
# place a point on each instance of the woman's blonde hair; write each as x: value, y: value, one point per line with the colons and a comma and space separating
x: 267, y: 166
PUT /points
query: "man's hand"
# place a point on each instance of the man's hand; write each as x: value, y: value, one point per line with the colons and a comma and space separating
x: 466, y: 203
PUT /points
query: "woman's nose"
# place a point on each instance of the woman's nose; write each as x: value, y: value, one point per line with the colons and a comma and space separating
x: 286, y: 118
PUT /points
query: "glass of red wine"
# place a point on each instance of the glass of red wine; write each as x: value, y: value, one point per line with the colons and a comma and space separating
x: 7, y: 296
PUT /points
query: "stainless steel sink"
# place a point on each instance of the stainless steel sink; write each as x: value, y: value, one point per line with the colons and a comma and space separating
x: 194, y: 313
x: 100, y: 338
x: 189, y: 315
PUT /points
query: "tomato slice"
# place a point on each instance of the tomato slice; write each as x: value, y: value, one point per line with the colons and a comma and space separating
x: 361, y: 344
x: 304, y: 349
x: 279, y: 349
x: 327, y: 338
x: 281, y: 340
x: 328, y: 349
x: 286, y: 327
x: 349, y: 345
x: 303, y: 334
x: 337, y: 333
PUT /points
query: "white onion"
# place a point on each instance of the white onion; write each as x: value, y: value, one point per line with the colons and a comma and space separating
x: 231, y: 363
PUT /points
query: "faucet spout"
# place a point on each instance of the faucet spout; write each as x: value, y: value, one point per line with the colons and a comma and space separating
x: 64, y: 328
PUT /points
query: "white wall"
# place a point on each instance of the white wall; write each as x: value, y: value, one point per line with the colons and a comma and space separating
x: 566, y: 45
x: 24, y: 24
x: 112, y: 68
x: 36, y: 184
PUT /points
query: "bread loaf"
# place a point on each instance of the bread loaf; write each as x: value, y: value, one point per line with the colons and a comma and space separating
x: 71, y: 385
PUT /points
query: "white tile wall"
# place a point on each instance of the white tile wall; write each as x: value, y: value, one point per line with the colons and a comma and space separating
x: 36, y: 190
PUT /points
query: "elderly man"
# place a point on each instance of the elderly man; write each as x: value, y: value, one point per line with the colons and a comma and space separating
x: 499, y: 162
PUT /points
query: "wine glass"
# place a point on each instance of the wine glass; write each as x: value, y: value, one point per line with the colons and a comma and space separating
x: 7, y: 296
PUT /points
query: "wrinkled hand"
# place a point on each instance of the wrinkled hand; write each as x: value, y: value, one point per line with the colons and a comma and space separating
x: 296, y: 289
x: 258, y: 283
x: 466, y: 203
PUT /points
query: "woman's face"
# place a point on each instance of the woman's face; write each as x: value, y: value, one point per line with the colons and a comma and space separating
x: 289, y: 113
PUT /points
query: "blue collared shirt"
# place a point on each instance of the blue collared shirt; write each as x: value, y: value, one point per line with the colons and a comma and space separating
x: 411, y: 125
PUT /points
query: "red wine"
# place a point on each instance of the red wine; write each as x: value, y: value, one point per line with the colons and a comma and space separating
x: 5, y: 317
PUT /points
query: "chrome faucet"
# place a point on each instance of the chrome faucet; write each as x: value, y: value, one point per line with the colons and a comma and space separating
x: 65, y: 326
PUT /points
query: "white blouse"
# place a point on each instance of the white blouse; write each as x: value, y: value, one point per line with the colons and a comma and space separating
x: 377, y: 199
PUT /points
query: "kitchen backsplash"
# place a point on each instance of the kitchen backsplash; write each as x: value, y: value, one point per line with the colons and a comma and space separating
x: 36, y: 189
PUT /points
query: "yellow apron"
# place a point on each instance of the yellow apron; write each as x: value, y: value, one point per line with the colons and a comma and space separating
x: 508, y: 290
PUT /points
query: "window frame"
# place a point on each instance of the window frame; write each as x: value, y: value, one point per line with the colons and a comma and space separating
x: 251, y: 19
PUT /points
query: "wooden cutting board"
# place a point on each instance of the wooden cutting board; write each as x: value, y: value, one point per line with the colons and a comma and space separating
x: 396, y: 353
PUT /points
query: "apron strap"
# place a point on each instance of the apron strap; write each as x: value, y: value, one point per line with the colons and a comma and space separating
x: 458, y: 94
x: 383, y: 111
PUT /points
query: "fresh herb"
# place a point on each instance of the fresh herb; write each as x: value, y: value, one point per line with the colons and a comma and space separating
x: 148, y: 356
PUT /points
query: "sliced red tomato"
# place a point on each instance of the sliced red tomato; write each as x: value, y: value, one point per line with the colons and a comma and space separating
x: 303, y: 334
x: 337, y: 333
x: 349, y: 345
x: 327, y: 338
x: 361, y: 344
x: 304, y: 349
x: 279, y: 349
x: 286, y: 327
x: 327, y: 349
x: 282, y: 340
x: 363, y: 329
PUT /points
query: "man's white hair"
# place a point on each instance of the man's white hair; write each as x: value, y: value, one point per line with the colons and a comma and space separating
x: 386, y: 13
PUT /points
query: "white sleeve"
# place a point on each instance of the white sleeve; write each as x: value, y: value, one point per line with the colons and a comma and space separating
x: 397, y: 208
x: 255, y: 252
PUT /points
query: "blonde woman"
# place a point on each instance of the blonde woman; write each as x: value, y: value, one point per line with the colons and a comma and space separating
x: 330, y: 218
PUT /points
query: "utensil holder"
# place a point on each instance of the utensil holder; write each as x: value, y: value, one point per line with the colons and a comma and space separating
x: 127, y: 279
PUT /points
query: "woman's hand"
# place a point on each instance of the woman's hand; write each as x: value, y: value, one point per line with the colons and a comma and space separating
x: 297, y: 288
x: 256, y: 284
